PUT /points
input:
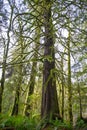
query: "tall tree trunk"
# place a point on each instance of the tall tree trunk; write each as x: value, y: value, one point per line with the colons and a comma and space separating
x: 69, y: 83
x: 49, y: 106
x: 4, y: 61
x: 2, y: 85
x: 80, y: 100
x: 62, y: 88
x: 19, y: 68
x: 33, y: 74
x: 31, y: 89
x: 15, y: 109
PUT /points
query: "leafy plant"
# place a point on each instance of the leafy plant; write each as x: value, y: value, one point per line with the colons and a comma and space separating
x: 19, y: 122
x: 80, y: 123
x: 58, y: 124
x: 54, y: 124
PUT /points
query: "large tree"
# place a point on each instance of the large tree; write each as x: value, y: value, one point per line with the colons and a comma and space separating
x: 49, y: 107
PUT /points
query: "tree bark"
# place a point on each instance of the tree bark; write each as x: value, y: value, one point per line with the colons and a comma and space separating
x: 33, y: 73
x: 15, y: 109
x: 31, y: 89
x: 80, y: 100
x: 62, y: 88
x: 19, y: 68
x: 16, y: 102
x: 49, y: 106
x: 69, y: 83
x: 5, y: 60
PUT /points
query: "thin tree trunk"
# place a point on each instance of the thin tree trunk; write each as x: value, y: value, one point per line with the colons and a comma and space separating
x: 15, y: 110
x: 2, y: 87
x: 80, y: 101
x: 4, y: 61
x: 31, y: 89
x: 33, y: 75
x: 69, y: 83
x: 16, y: 102
x: 49, y: 106
x: 62, y: 88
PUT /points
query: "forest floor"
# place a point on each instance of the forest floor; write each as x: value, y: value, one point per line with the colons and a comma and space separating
x: 47, y: 128
x: 24, y: 123
x: 84, y: 128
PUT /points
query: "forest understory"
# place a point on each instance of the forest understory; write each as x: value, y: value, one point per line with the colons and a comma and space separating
x: 35, y: 123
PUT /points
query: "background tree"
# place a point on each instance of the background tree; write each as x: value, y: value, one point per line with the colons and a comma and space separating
x: 6, y: 49
x: 31, y: 84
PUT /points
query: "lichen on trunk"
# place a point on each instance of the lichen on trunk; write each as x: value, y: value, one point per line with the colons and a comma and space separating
x: 50, y: 107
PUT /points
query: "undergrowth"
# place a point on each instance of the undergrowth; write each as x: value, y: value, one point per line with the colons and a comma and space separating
x: 81, y: 124
x: 18, y: 122
x: 54, y: 124
x: 24, y: 123
x: 58, y: 124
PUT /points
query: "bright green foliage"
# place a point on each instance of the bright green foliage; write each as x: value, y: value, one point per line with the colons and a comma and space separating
x: 24, y: 123
x: 19, y: 122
